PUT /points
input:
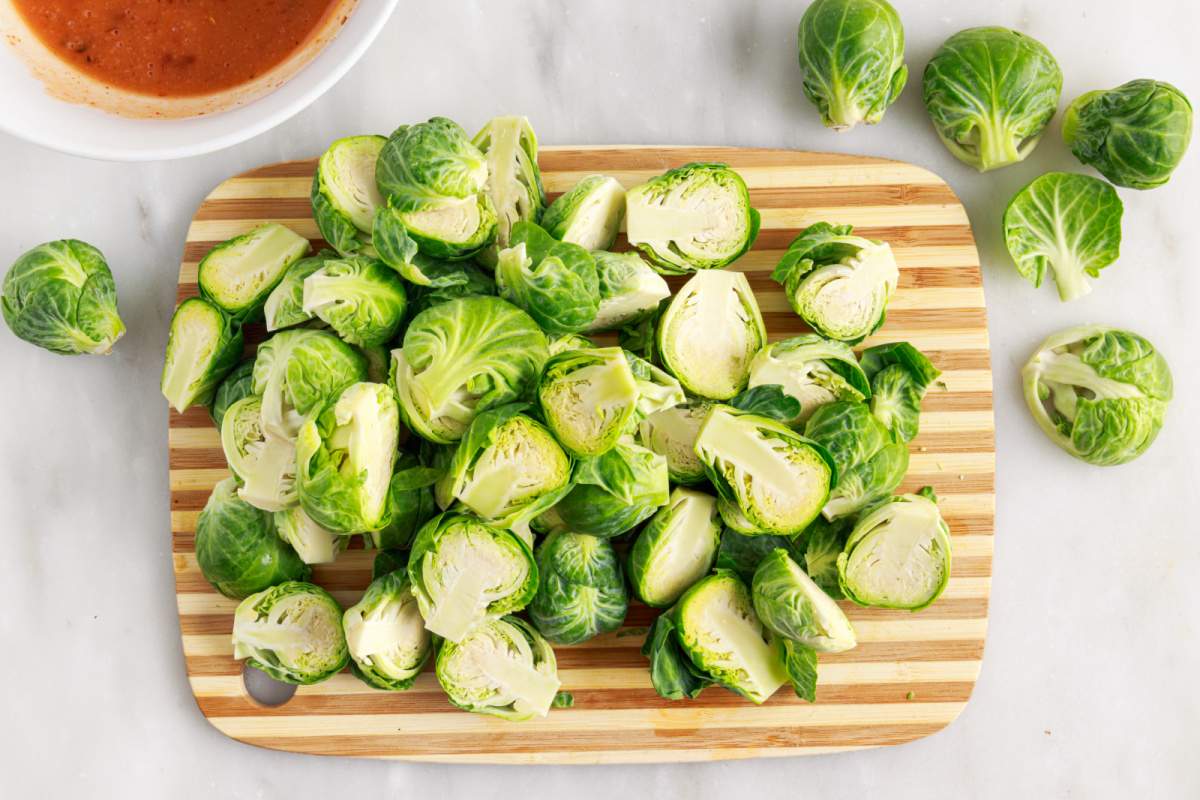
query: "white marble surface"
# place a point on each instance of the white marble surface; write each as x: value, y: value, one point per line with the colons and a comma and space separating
x: 1088, y: 687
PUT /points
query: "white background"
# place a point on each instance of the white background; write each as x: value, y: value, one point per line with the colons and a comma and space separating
x: 1089, y: 681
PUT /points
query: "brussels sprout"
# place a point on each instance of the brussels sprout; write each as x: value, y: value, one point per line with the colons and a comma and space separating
x: 588, y: 398
x: 676, y: 548
x: 445, y: 281
x: 742, y: 554
x: 514, y: 183
x: 202, y: 347
x: 615, y: 491
x: 554, y: 282
x: 361, y: 299
x: 589, y: 214
x: 657, y: 390
x: 465, y: 571
x: 435, y: 182
x: 239, y: 274
x: 897, y: 555
x: 870, y: 464
x: 297, y: 371
x: 410, y: 504
x: 1135, y: 135
x: 238, y: 383
x: 672, y: 672
x: 801, y: 665
x: 641, y: 338
x: 570, y: 341
x: 61, y: 296
x: 768, y: 400
x: 838, y: 283
x: 503, y: 668
x: 822, y: 544
x: 581, y: 593
x: 792, y: 606
x: 1069, y: 223
x: 813, y: 370
x: 462, y: 357
x: 775, y: 479
x: 710, y: 332
x: 285, y: 304
x: 629, y: 290
x: 1099, y: 393
x: 344, y: 457
x: 852, y: 54
x: 387, y: 561
x: 990, y: 93
x: 344, y: 195
x: 312, y: 543
x: 672, y: 434
x: 899, y: 375
x: 385, y: 634
x: 507, y: 468
x: 697, y: 216
x: 292, y: 632
x: 716, y: 625
x: 263, y: 464
x: 237, y: 549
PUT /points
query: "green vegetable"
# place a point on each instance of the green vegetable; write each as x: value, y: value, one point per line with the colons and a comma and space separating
x: 292, y: 632
x: 239, y: 274
x: 385, y: 635
x: 629, y: 290
x: 589, y: 214
x: 344, y: 196
x: 237, y: 384
x: 588, y: 398
x: 742, y: 554
x: 263, y: 464
x: 870, y: 464
x: 614, y: 492
x: 203, y: 346
x: 813, y: 370
x: 899, y: 374
x: 672, y: 434
x: 389, y: 561
x: 801, y: 665
x: 297, y: 371
x: 514, y: 182
x: 410, y: 503
x: 793, y: 607
x: 676, y: 548
x: 285, y: 304
x: 569, y: 341
x: 822, y: 544
x: 361, y: 299
x: 554, y: 282
x: 445, y: 281
x: 656, y: 389
x: 672, y: 672
x: 312, y: 543
x: 768, y: 401
x: 581, y: 592
x: 503, y: 668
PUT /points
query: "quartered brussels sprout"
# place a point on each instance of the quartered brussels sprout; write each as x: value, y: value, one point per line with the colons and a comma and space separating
x: 285, y: 304
x: 771, y: 479
x: 297, y: 371
x: 697, y: 216
x: 360, y: 298
x: 238, y: 383
x: 203, y: 345
x: 656, y: 389
x: 897, y: 555
x: 581, y: 592
x: 589, y: 214
x: 237, y: 548
x: 263, y: 464
x: 503, y: 668
x: 792, y: 606
x: 385, y: 634
x: 465, y: 571
x: 312, y: 543
x: 1135, y: 135
x: 507, y: 468
x: 435, y: 182
x: 462, y: 357
x: 852, y: 54
x: 61, y: 296
x: 1069, y: 224
x: 410, y: 503
x: 710, y: 332
x: 588, y: 398
x: 813, y: 370
x: 870, y: 463
x: 344, y: 195
x: 615, y: 491
x: 990, y: 93
x: 742, y: 554
x: 239, y: 274
x: 514, y: 183
x: 676, y: 548
x: 821, y: 545
x: 838, y: 283
x: 630, y: 290
x: 292, y: 632
x: 569, y: 341
x: 554, y: 282
x: 672, y: 434
x: 345, y: 452
x: 899, y: 374
x: 1099, y: 393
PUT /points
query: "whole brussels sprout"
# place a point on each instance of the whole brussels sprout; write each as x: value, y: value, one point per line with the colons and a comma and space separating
x: 385, y: 634
x: 503, y: 668
x: 589, y: 214
x: 237, y: 548
x: 614, y: 492
x: 284, y: 307
x: 61, y: 296
x: 263, y: 464
x: 238, y: 383
x: 990, y: 93
x: 203, y: 346
x: 676, y: 548
x: 870, y: 463
x: 588, y: 398
x: 581, y: 593
x: 899, y: 374
x: 1135, y: 135
x: 629, y: 290
x: 238, y: 275
x: 292, y: 632
x: 852, y: 54
x: 792, y: 606
x: 1099, y: 393
x: 554, y: 282
x: 297, y: 371
x: 514, y: 181
x: 360, y: 298
x: 344, y: 196
x: 813, y: 370
x: 672, y: 434
x: 410, y: 504
x: 312, y: 543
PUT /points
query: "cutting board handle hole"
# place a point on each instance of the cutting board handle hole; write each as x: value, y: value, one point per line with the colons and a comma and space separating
x: 265, y: 690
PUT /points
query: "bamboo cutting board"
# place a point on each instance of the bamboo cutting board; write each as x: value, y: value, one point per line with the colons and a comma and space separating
x: 910, y: 675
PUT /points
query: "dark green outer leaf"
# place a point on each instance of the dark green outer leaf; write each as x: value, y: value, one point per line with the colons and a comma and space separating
x: 237, y: 385
x: 672, y: 672
x: 768, y: 400
x: 801, y: 664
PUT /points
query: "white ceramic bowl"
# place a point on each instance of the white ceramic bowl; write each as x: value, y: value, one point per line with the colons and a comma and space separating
x: 31, y: 113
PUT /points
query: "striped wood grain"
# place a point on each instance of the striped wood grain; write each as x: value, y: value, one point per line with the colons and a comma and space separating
x: 911, y: 674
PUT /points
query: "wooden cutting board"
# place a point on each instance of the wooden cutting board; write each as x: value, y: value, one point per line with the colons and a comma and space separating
x: 910, y: 675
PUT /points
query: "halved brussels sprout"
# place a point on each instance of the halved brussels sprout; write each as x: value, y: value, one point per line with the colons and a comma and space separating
x: 465, y: 571
x: 672, y: 434
x: 385, y: 634
x: 238, y: 383
x: 237, y: 548
x: 694, y: 217
x: 589, y: 214
x: 838, y: 283
x: 203, y: 346
x: 791, y: 605
x: 238, y: 275
x: 588, y: 398
x: 345, y: 452
x: 263, y: 464
x: 771, y: 479
x: 710, y: 332
x: 292, y: 632
x: 814, y: 370
x: 61, y: 296
x: 360, y: 298
x: 462, y: 357
x: 1099, y: 393
x: 581, y: 592
x: 656, y: 389
x: 897, y: 555
x: 410, y: 504
x: 870, y: 463
x: 615, y: 491
x: 742, y: 554
x: 569, y: 341
x: 503, y: 668
x: 554, y: 282
x: 630, y: 290
x: 297, y: 371
x: 899, y: 374
x: 285, y: 304
x: 676, y: 548
x: 312, y: 543
x: 514, y: 183
x: 344, y: 195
